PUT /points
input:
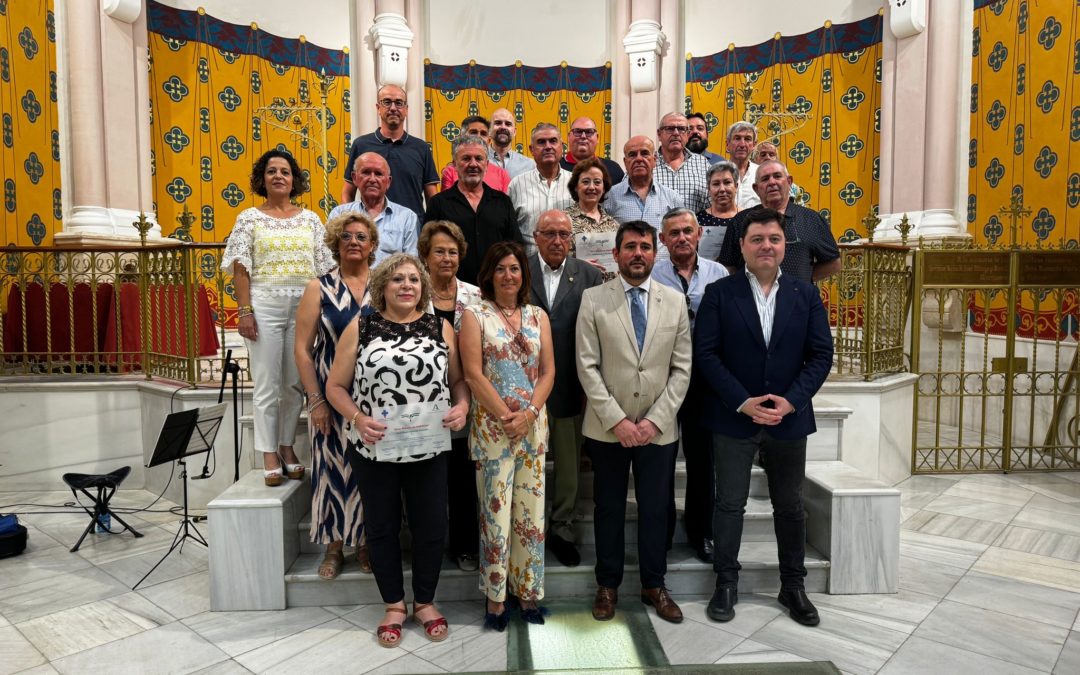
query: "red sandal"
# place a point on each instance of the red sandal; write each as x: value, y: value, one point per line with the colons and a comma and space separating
x: 389, y: 634
x: 430, y: 625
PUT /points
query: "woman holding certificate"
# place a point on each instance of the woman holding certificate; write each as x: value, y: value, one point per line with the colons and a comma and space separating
x: 589, y: 184
x: 723, y: 181
x: 507, y: 356
x: 407, y: 395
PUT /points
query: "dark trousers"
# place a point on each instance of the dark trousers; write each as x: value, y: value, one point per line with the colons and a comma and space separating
x: 785, y: 464
x: 697, y: 448
x: 651, y: 465
x: 461, y: 490
x: 423, y: 485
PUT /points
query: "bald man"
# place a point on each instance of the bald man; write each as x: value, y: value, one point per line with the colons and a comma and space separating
x: 410, y: 159
x: 501, y: 154
x: 638, y: 196
x: 397, y: 225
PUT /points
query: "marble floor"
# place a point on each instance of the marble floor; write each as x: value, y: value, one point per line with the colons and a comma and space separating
x: 989, y: 583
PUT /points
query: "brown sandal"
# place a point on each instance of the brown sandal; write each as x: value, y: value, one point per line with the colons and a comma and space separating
x: 430, y: 625
x: 331, y: 564
x: 391, y: 630
x: 363, y: 559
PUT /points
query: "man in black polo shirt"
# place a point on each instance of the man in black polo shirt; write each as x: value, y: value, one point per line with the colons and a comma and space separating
x: 485, y: 215
x: 811, y: 248
x: 582, y: 143
x: 410, y: 160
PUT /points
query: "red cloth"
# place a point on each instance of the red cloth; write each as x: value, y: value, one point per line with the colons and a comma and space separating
x: 49, y: 324
x: 168, y: 332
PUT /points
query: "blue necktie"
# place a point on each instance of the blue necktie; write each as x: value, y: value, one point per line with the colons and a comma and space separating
x: 637, y: 316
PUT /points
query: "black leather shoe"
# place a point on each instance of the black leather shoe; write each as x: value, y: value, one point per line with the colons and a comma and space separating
x: 704, y: 550
x: 799, y: 607
x: 565, y: 551
x: 722, y: 605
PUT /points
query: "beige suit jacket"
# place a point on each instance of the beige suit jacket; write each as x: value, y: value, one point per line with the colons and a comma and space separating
x: 618, y: 380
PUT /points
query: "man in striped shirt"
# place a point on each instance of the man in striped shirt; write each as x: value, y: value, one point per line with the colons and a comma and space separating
x: 544, y: 188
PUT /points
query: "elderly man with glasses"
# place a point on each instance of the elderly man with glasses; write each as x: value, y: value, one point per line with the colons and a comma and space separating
x: 409, y: 158
x: 583, y: 141
x: 677, y: 167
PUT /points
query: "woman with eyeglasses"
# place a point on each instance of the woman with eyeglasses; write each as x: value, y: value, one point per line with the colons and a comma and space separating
x: 589, y: 184
x: 723, y: 181
x: 328, y: 306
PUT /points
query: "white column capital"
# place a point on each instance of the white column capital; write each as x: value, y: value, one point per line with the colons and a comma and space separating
x: 391, y: 39
x: 644, y: 42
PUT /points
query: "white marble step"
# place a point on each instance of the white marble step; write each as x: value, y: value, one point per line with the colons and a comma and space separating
x: 686, y: 575
x: 757, y: 524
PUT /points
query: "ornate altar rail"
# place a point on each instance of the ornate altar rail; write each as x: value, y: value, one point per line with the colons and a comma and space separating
x: 868, y: 303
x: 150, y: 309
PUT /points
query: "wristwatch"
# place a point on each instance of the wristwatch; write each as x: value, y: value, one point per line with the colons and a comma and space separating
x: 534, y: 409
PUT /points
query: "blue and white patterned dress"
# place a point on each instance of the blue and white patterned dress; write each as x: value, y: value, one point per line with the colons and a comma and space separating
x: 336, y: 511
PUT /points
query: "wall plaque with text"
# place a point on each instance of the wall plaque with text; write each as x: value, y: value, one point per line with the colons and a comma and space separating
x: 965, y: 268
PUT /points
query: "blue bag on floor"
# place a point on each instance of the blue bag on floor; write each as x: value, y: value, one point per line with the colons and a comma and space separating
x: 12, y: 536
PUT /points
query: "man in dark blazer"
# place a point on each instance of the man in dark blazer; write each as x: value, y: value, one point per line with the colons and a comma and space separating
x: 558, y: 282
x: 762, y: 344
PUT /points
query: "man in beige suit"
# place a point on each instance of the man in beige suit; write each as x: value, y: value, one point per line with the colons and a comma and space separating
x: 633, y: 344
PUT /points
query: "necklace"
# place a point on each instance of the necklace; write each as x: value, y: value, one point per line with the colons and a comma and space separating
x: 519, y: 344
x: 507, y: 312
x: 446, y: 298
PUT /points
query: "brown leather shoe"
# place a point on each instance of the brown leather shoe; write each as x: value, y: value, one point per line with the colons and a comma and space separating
x: 659, y: 598
x: 603, y: 606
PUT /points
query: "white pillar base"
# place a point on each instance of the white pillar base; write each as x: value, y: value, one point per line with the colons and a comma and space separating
x: 102, y: 226
x: 933, y: 225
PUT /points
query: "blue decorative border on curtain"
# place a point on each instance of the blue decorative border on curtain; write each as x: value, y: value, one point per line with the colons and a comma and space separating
x: 529, y: 78
x: 181, y: 24
x: 979, y: 4
x: 841, y: 37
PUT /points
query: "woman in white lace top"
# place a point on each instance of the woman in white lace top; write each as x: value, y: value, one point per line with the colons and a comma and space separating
x: 274, y: 249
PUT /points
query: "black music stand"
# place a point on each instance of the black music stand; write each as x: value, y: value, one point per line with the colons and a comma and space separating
x: 186, y: 433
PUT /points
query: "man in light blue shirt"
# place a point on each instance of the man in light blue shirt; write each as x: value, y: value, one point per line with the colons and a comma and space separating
x: 689, y: 274
x: 398, y: 226
x: 638, y: 196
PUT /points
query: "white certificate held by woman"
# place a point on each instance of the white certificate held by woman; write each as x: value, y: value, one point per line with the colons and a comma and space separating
x: 596, y: 246
x: 412, y: 429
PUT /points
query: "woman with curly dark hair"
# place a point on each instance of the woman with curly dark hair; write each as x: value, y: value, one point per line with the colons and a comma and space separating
x: 274, y: 249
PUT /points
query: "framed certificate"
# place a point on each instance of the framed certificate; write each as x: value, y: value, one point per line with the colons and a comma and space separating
x: 412, y: 429
x: 596, y: 246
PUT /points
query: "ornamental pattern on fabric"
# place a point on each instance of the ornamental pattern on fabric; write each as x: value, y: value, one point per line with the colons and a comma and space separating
x: 30, y: 151
x: 832, y: 74
x: 559, y: 95
x: 208, y: 78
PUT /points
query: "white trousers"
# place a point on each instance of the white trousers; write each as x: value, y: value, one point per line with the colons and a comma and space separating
x: 278, y: 395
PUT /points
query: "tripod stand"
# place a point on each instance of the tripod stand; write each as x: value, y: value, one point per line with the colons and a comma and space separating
x: 185, y: 433
x: 231, y: 367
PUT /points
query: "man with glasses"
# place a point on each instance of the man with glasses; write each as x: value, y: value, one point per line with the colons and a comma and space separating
x: 689, y: 274
x: 503, y: 131
x: 678, y: 168
x: 398, y: 226
x: 811, y: 251
x: 583, y: 141
x: 557, y: 284
x: 410, y: 160
x: 544, y: 188
x: 494, y: 177
x: 698, y: 140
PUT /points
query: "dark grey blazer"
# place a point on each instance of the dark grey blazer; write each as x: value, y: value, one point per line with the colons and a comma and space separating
x: 567, y: 399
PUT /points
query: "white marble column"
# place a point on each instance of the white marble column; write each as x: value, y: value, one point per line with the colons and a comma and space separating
x: 104, y: 102
x: 386, y: 23
x: 644, y: 48
x: 924, y: 129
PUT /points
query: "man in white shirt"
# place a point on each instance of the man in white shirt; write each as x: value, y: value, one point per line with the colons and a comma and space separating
x: 741, y: 138
x: 544, y: 188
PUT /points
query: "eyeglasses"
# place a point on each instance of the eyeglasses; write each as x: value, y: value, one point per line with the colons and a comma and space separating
x: 583, y: 133
x: 674, y: 130
x: 393, y: 102
x: 360, y: 238
x: 551, y: 234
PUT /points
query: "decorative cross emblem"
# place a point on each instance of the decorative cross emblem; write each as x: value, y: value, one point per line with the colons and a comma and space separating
x: 394, y: 56
x: 1015, y: 212
x: 641, y: 62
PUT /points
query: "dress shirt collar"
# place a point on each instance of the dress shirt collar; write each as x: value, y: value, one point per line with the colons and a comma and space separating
x: 386, y: 139
x: 754, y: 280
x: 644, y: 285
x: 547, y: 269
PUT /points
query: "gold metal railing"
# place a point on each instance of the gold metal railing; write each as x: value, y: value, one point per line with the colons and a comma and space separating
x: 868, y: 303
x: 157, y: 310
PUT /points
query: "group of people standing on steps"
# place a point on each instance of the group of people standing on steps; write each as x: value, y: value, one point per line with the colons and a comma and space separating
x: 502, y: 318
